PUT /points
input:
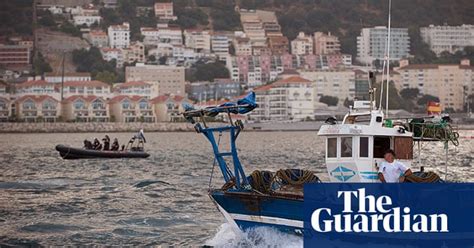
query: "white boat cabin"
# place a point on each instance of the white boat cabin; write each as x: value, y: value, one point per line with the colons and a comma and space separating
x: 355, y: 148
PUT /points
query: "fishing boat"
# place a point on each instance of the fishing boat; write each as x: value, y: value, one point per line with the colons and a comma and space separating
x: 67, y: 152
x: 135, y: 149
x: 354, y: 149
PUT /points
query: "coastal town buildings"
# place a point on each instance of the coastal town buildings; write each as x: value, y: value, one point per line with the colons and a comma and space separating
x: 15, y: 56
x: 119, y: 35
x: 302, y: 44
x: 338, y: 83
x: 168, y: 107
x: 286, y: 99
x: 131, y: 108
x: 372, y: 44
x: 165, y: 11
x: 199, y: 40
x: 37, y: 108
x: 80, y: 108
x: 451, y: 83
x: 134, y: 88
x: 326, y: 43
x: 221, y: 88
x: 448, y: 38
x: 164, y: 79
x: 97, y: 38
x: 220, y: 45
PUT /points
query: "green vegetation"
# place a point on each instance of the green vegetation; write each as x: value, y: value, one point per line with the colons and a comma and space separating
x: 40, y: 65
x: 16, y: 17
x: 91, y: 61
x: 329, y: 100
x: 207, y: 72
x: 69, y: 28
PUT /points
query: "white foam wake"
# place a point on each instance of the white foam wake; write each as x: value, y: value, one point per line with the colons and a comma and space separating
x: 259, y: 237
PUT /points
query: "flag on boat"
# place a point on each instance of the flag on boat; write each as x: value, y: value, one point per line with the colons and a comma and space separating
x: 140, y: 135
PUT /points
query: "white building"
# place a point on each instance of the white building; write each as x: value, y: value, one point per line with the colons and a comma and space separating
x: 302, y: 44
x: 199, y: 40
x: 372, y: 44
x: 97, y: 38
x: 164, y: 79
x: 151, y: 36
x: 80, y: 20
x: 74, y: 76
x: 287, y: 99
x: 119, y: 35
x: 448, y: 38
x: 220, y: 45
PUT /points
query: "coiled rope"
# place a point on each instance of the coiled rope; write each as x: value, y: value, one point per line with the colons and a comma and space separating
x: 266, y: 182
x: 423, y: 177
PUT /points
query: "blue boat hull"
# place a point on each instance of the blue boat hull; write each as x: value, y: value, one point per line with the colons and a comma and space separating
x: 246, y: 210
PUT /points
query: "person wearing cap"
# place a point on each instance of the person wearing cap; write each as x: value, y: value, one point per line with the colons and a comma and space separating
x: 392, y: 170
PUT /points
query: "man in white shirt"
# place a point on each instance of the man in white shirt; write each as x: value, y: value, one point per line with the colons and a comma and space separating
x: 392, y: 171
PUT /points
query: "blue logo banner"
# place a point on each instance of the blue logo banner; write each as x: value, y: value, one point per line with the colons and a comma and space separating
x: 389, y: 215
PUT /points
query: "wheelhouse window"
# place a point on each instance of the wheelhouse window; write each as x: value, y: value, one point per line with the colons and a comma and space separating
x: 332, y: 147
x: 346, y: 147
x: 364, y: 147
x: 381, y: 144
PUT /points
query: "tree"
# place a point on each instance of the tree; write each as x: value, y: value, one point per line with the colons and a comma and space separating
x: 427, y: 98
x: 409, y: 93
x: 68, y: 28
x: 208, y: 72
x: 329, y: 100
x: 106, y: 76
x: 91, y: 61
x: 40, y: 65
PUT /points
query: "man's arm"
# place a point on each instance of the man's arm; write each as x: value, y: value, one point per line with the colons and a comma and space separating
x: 407, y: 172
x: 381, y: 177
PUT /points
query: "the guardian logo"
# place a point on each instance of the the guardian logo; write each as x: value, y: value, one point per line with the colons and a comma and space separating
x: 375, y: 215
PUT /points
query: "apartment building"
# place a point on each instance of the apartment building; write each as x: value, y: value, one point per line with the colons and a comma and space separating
x: 199, y: 40
x: 164, y: 79
x: 253, y: 27
x: 257, y: 70
x: 86, y: 88
x: 37, y: 87
x: 15, y: 56
x: 242, y: 46
x: 165, y: 11
x: 451, y: 83
x: 134, y: 53
x: 302, y: 44
x: 119, y: 35
x: 278, y: 45
x: 448, y: 38
x: 85, y: 108
x: 286, y: 99
x: 131, y: 108
x: 221, y: 88
x: 168, y: 108
x: 326, y: 43
x: 134, y: 88
x: 51, y: 77
x: 162, y: 34
x: 220, y: 45
x: 339, y: 83
x: 372, y: 44
x: 87, y: 20
x: 5, y: 108
x: 97, y: 38
x: 37, y: 108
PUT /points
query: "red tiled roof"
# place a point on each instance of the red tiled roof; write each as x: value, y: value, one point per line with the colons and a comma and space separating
x: 292, y: 79
x: 32, y: 83
x: 93, y: 83
x: 88, y: 98
x: 120, y: 98
x: 36, y: 98
x: 263, y: 88
x: 164, y: 98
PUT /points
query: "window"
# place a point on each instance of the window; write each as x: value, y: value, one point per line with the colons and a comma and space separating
x: 143, y: 104
x: 98, y: 104
x: 381, y: 144
x: 79, y: 104
x: 332, y: 147
x: 346, y: 147
x: 49, y: 105
x: 29, y: 104
x: 126, y: 104
x: 364, y: 147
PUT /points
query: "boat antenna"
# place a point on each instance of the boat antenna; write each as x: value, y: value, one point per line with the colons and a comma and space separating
x: 388, y: 54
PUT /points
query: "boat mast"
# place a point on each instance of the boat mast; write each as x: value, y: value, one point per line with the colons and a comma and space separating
x: 388, y: 54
